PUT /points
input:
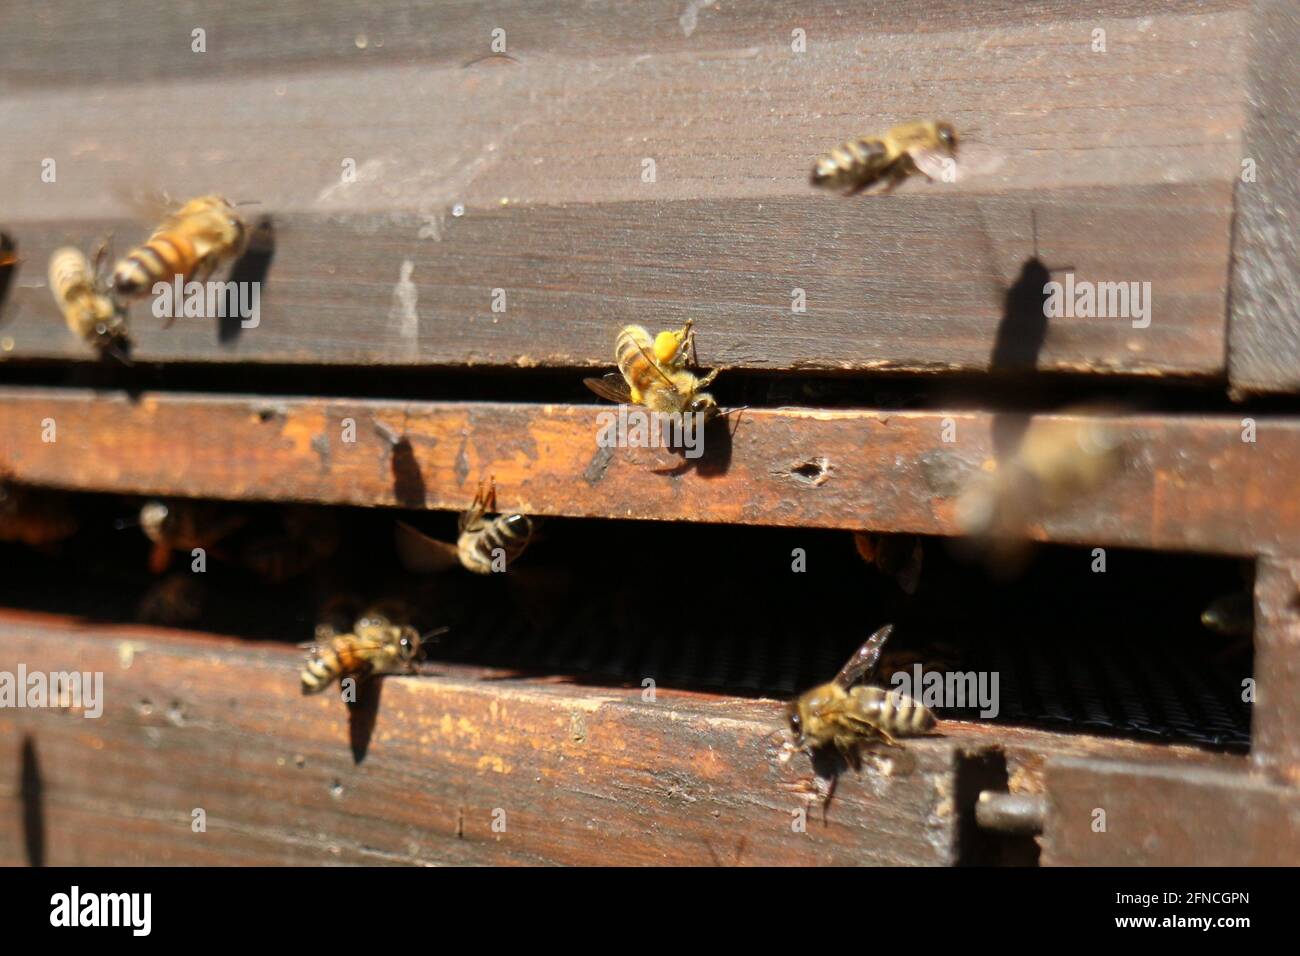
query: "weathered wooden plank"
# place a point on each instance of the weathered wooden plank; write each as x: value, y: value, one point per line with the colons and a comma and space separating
x: 1167, y: 816
x: 1188, y: 482
x: 1264, y: 345
x: 1275, y: 727
x: 113, y: 42
x: 1126, y: 157
x: 579, y: 775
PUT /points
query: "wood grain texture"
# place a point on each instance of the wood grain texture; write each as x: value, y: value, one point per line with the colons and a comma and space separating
x: 1187, y: 482
x: 1275, y: 729
x: 1264, y: 344
x: 527, y: 177
x: 1167, y: 816
x: 85, y: 43
x: 584, y: 774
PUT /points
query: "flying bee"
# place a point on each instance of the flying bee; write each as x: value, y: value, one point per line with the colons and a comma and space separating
x: 485, y: 544
x: 652, y: 372
x: 926, y: 147
x: 381, y: 641
x: 846, y: 717
x: 37, y: 518
x: 90, y: 312
x: 182, y: 525
x: 1056, y: 461
x: 191, y: 242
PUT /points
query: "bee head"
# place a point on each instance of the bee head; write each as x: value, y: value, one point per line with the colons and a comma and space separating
x: 408, y: 646
x: 947, y: 135
x: 153, y: 519
x: 796, y: 722
x: 519, y: 525
x: 704, y: 404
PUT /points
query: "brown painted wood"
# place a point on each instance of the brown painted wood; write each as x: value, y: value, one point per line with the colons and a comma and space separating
x: 1275, y: 728
x: 1264, y: 354
x: 1167, y: 816
x: 583, y: 774
x: 1188, y: 482
x: 1127, y: 158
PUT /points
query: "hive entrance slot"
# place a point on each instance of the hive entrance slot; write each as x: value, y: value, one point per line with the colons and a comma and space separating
x: 744, y: 611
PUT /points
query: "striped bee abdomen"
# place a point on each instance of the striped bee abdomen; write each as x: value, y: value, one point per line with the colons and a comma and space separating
x: 894, y: 712
x: 507, y: 534
x: 70, y: 273
x: 165, y: 256
x: 852, y: 163
x: 320, y: 671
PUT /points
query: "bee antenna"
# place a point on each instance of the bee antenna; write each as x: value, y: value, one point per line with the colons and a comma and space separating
x: 121, y: 524
x: 249, y: 202
x: 436, y: 632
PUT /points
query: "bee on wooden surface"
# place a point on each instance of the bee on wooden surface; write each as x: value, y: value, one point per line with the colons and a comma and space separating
x: 846, y: 716
x: 897, y: 556
x: 1055, y: 462
x: 380, y: 641
x: 175, y: 600
x: 183, y: 525
x: 37, y: 518
x: 485, y: 544
x: 926, y: 147
x: 191, y: 242
x: 652, y: 372
x: 90, y: 312
x: 308, y: 538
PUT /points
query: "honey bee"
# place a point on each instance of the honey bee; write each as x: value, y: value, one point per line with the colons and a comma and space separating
x: 652, y: 372
x: 845, y: 716
x: 39, y: 519
x: 90, y: 312
x: 191, y: 242
x: 1056, y: 461
x: 484, y: 545
x: 380, y: 641
x: 926, y: 147
x: 181, y: 525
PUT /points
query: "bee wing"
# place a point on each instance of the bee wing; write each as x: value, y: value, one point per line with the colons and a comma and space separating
x: 611, y: 387
x: 421, y: 554
x: 151, y: 206
x: 864, y: 659
x: 935, y: 163
x: 976, y: 160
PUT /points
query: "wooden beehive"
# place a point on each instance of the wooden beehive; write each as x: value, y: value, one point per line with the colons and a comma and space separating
x: 455, y: 232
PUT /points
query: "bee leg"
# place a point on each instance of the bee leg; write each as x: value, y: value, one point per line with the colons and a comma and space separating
x: 101, y: 252
x: 707, y: 378
x: 893, y: 180
x: 689, y: 345
x: 889, y: 741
